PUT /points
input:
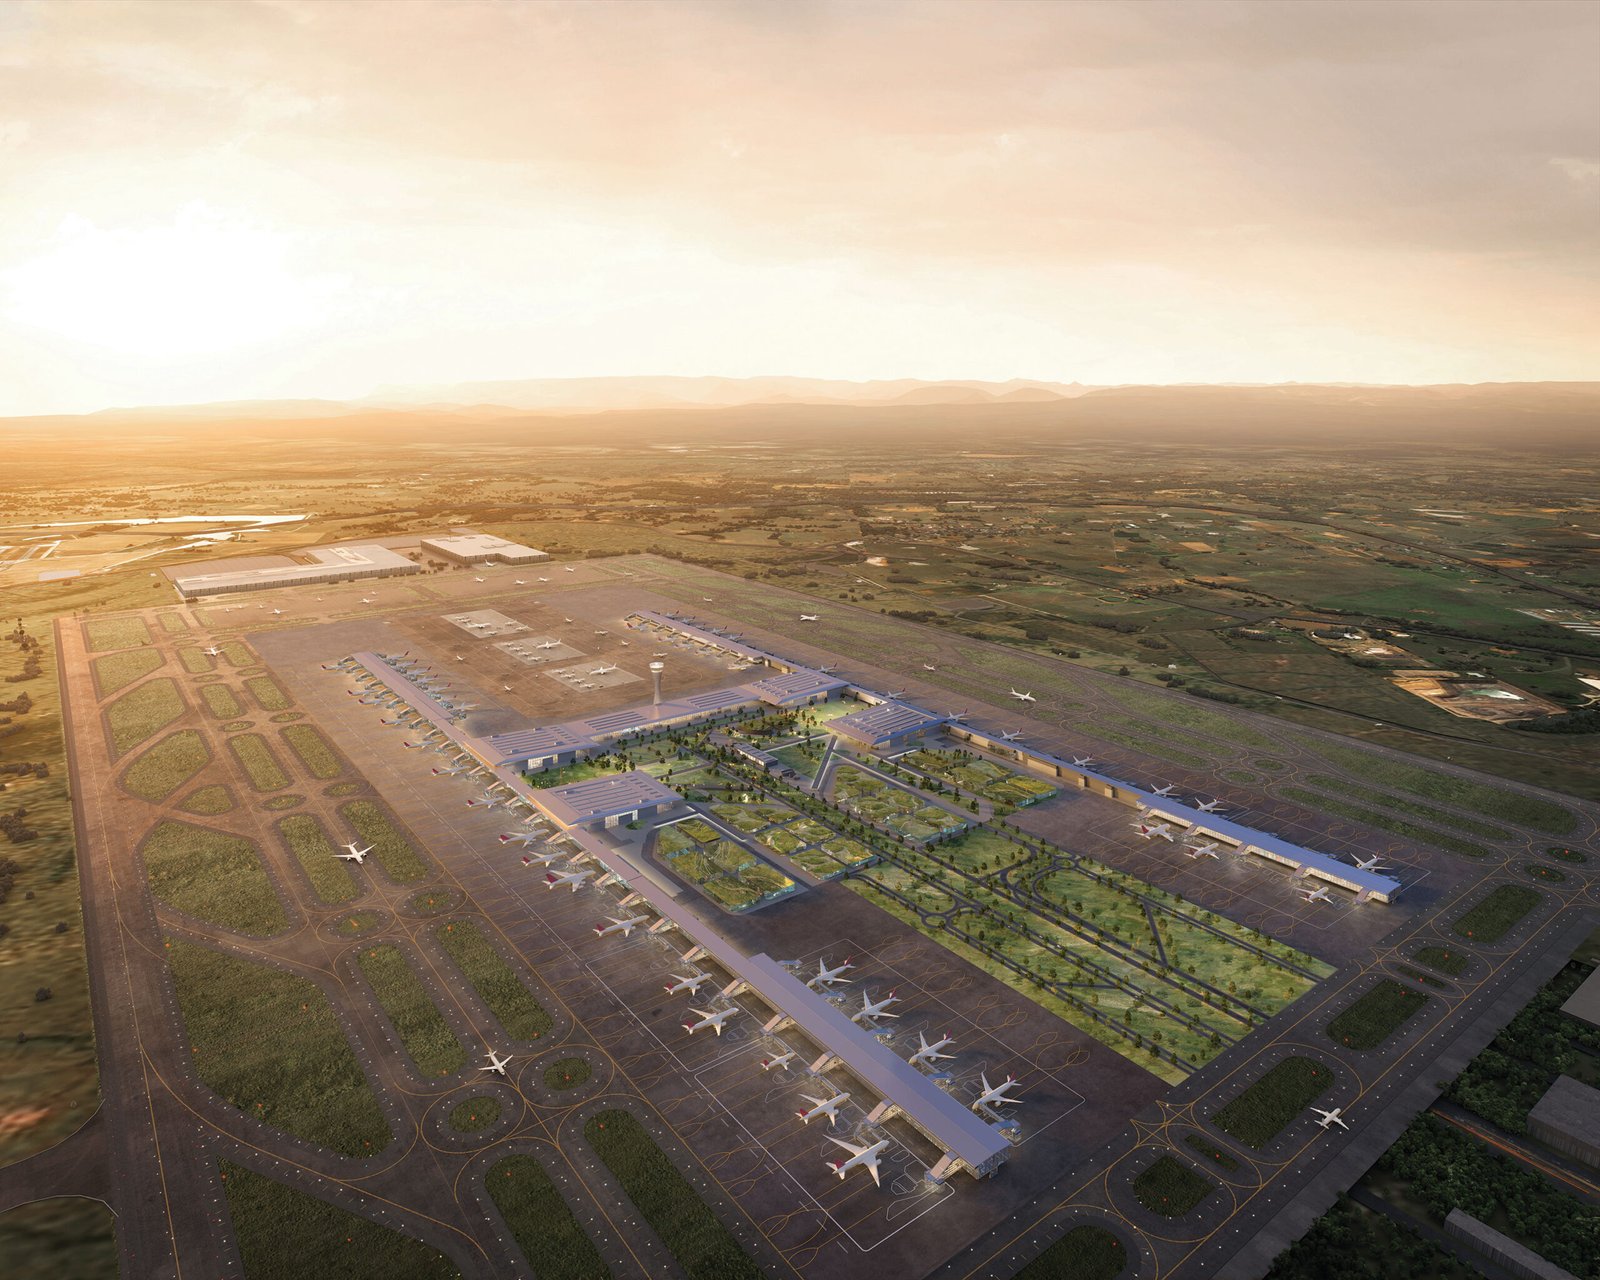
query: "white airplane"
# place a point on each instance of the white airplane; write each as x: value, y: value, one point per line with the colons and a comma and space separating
x: 1154, y: 830
x: 1325, y: 1118
x: 1206, y: 849
x: 368, y: 600
x: 486, y: 801
x: 780, y: 1060
x: 691, y: 984
x: 1023, y: 697
x: 477, y: 579
x: 1370, y: 864
x: 453, y: 771
x: 823, y: 1107
x: 1166, y: 790
x: 496, y: 1062
x: 570, y: 569
x: 276, y: 612
x: 569, y: 619
x: 1011, y: 737
x: 574, y: 878
x: 929, y: 1053
x: 544, y: 579
x: 874, y: 1008
x: 810, y: 617
x: 459, y: 658
x: 214, y: 653
x: 715, y: 1021
x: 354, y: 855
x: 828, y: 671
x: 604, y: 670
x: 518, y: 582
x: 506, y: 688
x: 549, y: 644
x: 542, y: 859
x: 1319, y: 894
x: 707, y: 599
x: 1209, y: 806
x: 928, y: 666
x: 895, y: 693
x: 865, y: 1157
x: 956, y: 717
x: 828, y: 976
x: 624, y: 927
x: 994, y: 1095
x: 1082, y: 762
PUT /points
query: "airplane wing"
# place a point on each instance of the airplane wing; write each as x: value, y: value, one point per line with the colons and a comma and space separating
x: 848, y: 1146
x: 873, y: 1170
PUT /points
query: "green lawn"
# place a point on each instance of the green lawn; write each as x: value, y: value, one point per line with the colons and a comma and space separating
x: 212, y: 876
x: 545, y: 1228
x: 1377, y: 1015
x: 567, y: 1073
x: 416, y: 1020
x: 143, y: 712
x: 1452, y: 962
x: 1257, y: 1115
x: 1084, y: 1253
x: 392, y: 850
x: 165, y: 767
x: 119, y: 670
x: 497, y: 985
x: 329, y: 874
x: 475, y: 1114
x: 115, y: 633
x: 262, y: 767
x: 63, y: 1238
x: 265, y: 690
x: 1169, y: 1188
x: 314, y: 751
x: 196, y: 662
x: 220, y: 701
x: 279, y: 1229
x: 1400, y: 826
x: 267, y: 1041
x: 693, y: 1234
x: 1494, y: 917
x: 1211, y: 1151
x: 209, y: 801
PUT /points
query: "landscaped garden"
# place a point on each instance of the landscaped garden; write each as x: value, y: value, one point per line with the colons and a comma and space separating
x: 811, y: 846
x: 883, y: 804
x: 392, y: 850
x: 165, y: 767
x: 143, y: 712
x: 119, y: 670
x: 725, y: 870
x: 424, y: 1032
x: 1084, y: 1253
x: 260, y: 765
x: 978, y: 775
x: 328, y: 873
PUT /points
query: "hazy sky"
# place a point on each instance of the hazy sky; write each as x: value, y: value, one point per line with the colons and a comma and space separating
x: 229, y: 200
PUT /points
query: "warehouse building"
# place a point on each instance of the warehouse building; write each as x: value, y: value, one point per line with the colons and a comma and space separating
x: 1567, y: 1119
x: 482, y: 548
x: 326, y: 564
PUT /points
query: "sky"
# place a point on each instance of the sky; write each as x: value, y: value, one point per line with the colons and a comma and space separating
x: 278, y: 199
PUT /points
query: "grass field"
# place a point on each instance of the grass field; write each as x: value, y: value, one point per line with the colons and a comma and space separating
x: 392, y: 850
x: 260, y: 765
x: 545, y: 1229
x: 119, y: 670
x: 475, y: 1114
x: 1453, y: 963
x: 197, y: 662
x: 1415, y: 808
x: 523, y: 1017
x: 158, y: 772
x: 212, y: 876
x: 115, y: 633
x: 279, y: 1228
x: 267, y: 1041
x: 314, y: 751
x: 1324, y: 803
x: 1084, y: 1253
x: 433, y: 902
x: 425, y: 1034
x: 567, y: 1073
x: 329, y: 875
x: 663, y: 1196
x: 220, y: 701
x: 265, y: 690
x: 1377, y: 1015
x: 143, y: 712
x: 174, y: 624
x: 64, y: 1238
x: 209, y: 801
x: 1169, y: 1188
x: 1213, y: 1153
x: 1495, y: 916
x: 1257, y: 1115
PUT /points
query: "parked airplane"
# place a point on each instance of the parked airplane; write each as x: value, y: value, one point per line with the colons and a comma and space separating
x: 574, y: 878
x: 810, y: 617
x: 604, y: 670
x: 496, y: 1062
x: 828, y: 976
x: 1370, y: 864
x: 691, y: 984
x: 521, y: 837
x: 715, y: 1021
x: 994, y: 1095
x: 828, y: 670
x: 486, y: 801
x: 624, y: 927
x: 1325, y: 1118
x: 1082, y: 762
x: 1166, y: 790
x: 354, y: 855
x: 1319, y: 894
x: 864, y: 1157
x: 217, y: 653
x: 1209, y: 806
x: 874, y: 1009
x: 1154, y: 830
x: 454, y: 770
x: 542, y: 859
x: 929, y: 1053
x: 956, y: 717
x: 1206, y: 849
x: 549, y: 644
x: 1011, y: 737
x: 823, y: 1107
x: 1023, y: 697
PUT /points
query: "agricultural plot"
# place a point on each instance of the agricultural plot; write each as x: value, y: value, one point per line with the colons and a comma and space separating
x: 212, y: 876
x: 724, y: 870
x: 979, y: 776
x: 142, y: 712
x: 267, y: 1042
x: 161, y: 770
x: 119, y: 670
x: 886, y: 805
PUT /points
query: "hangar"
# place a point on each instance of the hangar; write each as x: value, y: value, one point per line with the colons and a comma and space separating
x: 482, y: 548
x: 327, y: 564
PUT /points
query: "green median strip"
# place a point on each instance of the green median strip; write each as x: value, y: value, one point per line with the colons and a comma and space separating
x: 545, y: 1229
x: 416, y: 1020
x: 523, y: 1017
